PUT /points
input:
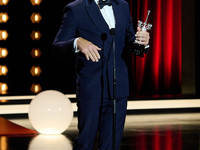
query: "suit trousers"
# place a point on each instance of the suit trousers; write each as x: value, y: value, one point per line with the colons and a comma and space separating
x: 95, y: 117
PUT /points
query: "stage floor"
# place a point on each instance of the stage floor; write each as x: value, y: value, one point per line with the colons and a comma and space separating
x: 178, y: 131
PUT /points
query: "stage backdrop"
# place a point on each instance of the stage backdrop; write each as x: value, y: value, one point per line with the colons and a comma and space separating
x: 160, y: 71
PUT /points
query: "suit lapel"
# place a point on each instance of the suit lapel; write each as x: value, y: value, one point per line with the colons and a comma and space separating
x: 95, y: 15
x: 97, y: 18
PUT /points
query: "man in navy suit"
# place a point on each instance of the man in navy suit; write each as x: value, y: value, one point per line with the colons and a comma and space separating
x: 85, y: 31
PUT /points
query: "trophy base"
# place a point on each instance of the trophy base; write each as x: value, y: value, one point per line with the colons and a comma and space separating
x: 138, y: 50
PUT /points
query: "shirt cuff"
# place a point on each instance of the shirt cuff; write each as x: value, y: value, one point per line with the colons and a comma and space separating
x: 146, y: 47
x: 75, y: 46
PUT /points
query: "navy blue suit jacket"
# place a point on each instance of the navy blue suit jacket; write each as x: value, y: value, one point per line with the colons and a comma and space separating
x: 82, y: 18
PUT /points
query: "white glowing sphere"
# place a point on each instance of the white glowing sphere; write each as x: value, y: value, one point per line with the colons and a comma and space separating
x: 50, y: 112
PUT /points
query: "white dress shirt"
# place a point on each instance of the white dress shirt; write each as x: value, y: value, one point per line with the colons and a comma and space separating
x: 108, y: 15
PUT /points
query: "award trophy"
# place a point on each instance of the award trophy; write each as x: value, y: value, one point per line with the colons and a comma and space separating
x: 138, y: 49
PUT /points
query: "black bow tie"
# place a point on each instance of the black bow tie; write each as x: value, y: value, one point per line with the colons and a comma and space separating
x: 105, y: 2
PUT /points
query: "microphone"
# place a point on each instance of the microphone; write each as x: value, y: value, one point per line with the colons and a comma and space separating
x: 113, y: 31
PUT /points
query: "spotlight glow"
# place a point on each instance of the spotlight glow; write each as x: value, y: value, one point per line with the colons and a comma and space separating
x: 36, y: 2
x: 3, y: 34
x: 4, y: 2
x: 36, y: 71
x: 36, y: 35
x: 3, y: 88
x: 36, y: 88
x: 3, y: 52
x: 3, y: 70
x: 36, y: 18
x: 4, y: 17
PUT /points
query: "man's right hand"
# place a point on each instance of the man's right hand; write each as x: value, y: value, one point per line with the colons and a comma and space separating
x: 88, y: 49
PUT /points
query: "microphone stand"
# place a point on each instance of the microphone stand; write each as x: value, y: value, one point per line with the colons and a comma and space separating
x: 113, y: 32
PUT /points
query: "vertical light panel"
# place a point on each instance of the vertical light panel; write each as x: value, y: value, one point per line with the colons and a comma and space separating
x: 36, y: 52
x: 3, y: 50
